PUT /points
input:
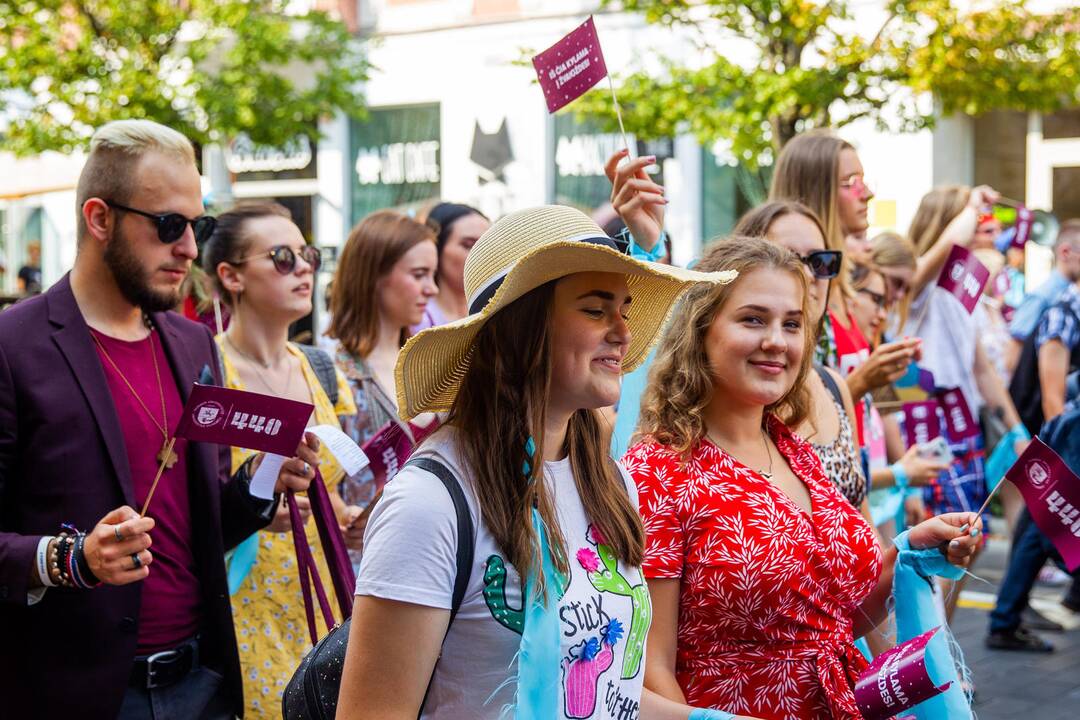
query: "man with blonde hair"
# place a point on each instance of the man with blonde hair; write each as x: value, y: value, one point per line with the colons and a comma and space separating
x: 93, y: 378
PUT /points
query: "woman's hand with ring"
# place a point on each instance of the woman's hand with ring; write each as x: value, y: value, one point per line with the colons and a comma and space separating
x: 297, y: 472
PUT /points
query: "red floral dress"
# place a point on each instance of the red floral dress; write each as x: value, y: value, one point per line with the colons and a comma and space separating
x: 768, y: 593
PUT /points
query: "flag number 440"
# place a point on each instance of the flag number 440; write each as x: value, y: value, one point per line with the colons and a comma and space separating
x: 255, y: 423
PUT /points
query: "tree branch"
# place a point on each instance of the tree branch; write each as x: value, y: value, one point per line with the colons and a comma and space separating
x: 95, y: 25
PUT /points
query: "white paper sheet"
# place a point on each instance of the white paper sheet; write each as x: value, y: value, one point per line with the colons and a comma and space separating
x: 348, y: 454
x: 262, y: 484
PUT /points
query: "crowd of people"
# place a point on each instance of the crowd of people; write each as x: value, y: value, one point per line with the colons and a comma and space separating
x: 688, y: 488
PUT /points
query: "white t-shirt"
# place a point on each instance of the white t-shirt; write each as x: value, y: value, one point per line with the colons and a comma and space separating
x: 949, y: 339
x: 409, y: 556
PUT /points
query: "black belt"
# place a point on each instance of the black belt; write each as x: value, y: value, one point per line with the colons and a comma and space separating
x: 166, y: 667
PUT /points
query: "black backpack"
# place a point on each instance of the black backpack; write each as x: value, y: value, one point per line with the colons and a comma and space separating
x: 1025, y: 388
x: 312, y: 693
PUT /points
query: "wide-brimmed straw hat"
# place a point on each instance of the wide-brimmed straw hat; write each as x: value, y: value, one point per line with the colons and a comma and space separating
x: 520, y: 252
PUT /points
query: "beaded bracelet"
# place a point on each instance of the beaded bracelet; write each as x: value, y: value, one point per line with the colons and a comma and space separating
x: 63, y: 549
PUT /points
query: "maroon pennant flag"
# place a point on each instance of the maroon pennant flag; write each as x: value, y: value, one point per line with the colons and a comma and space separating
x: 570, y: 67
x: 1052, y: 494
x: 964, y: 277
x: 243, y: 419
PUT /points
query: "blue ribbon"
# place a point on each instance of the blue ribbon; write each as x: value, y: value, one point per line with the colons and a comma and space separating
x: 240, y: 561
x: 707, y: 714
x: 1004, y: 456
x: 916, y: 613
x: 541, y: 646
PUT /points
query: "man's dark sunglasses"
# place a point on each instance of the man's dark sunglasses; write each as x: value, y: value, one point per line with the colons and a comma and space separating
x: 171, y: 226
x: 284, y: 258
x: 823, y: 264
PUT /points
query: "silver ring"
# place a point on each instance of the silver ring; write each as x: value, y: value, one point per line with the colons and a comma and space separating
x: 137, y: 560
x: 307, y: 469
x: 116, y: 532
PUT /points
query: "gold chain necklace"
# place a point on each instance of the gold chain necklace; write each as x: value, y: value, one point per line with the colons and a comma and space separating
x: 768, y: 475
x: 162, y: 427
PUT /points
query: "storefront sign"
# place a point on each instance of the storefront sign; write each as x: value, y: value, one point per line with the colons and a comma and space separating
x: 396, y: 158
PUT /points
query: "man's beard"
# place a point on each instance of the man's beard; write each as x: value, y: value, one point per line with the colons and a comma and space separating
x: 132, y: 280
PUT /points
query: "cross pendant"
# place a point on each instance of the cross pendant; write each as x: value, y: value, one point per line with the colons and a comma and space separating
x: 172, y: 459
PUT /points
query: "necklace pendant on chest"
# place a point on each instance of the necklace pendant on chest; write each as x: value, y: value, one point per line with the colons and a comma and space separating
x: 766, y: 475
x: 172, y: 459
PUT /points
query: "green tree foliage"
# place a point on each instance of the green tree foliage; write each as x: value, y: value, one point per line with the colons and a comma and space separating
x: 209, y: 68
x: 815, y: 67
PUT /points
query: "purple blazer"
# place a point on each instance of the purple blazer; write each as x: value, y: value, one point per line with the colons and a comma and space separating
x: 62, y: 459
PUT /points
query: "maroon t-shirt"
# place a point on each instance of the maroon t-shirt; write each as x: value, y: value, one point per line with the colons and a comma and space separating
x: 170, y: 596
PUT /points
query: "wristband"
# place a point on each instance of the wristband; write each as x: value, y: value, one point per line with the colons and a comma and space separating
x: 639, y: 253
x: 1019, y: 432
x: 927, y: 562
x: 899, y: 475
x: 87, y: 579
x: 707, y: 714
x: 43, y: 562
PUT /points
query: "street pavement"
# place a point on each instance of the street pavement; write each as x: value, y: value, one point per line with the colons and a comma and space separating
x: 1017, y: 685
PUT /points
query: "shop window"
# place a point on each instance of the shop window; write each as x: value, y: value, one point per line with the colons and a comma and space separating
x: 396, y: 159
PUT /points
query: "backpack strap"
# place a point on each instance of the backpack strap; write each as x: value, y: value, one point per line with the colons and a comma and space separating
x: 465, y: 541
x: 323, y: 366
x: 830, y: 383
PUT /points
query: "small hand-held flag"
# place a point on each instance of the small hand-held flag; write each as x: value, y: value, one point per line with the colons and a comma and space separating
x: 571, y: 67
x: 964, y: 277
x: 921, y: 422
x: 1052, y: 494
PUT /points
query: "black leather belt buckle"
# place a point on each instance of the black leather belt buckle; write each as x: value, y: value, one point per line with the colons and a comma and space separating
x: 165, y: 668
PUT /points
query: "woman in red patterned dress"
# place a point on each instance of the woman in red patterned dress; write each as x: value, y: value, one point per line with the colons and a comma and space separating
x: 761, y: 573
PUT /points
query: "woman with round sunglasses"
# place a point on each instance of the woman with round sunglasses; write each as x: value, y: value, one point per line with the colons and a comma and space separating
x: 824, y: 172
x: 457, y: 228
x: 264, y: 271
x: 384, y: 282
x: 761, y: 574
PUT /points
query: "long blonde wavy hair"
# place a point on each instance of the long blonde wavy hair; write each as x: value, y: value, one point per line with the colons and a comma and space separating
x: 681, y: 383
x: 936, y: 210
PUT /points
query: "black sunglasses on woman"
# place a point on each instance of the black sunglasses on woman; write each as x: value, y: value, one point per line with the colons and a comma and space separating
x: 823, y: 264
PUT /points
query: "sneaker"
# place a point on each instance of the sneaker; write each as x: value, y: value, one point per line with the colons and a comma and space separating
x: 1053, y: 575
x: 1032, y: 619
x: 1019, y: 639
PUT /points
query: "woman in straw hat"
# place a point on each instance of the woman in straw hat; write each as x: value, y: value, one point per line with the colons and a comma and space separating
x: 760, y: 571
x: 555, y: 614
